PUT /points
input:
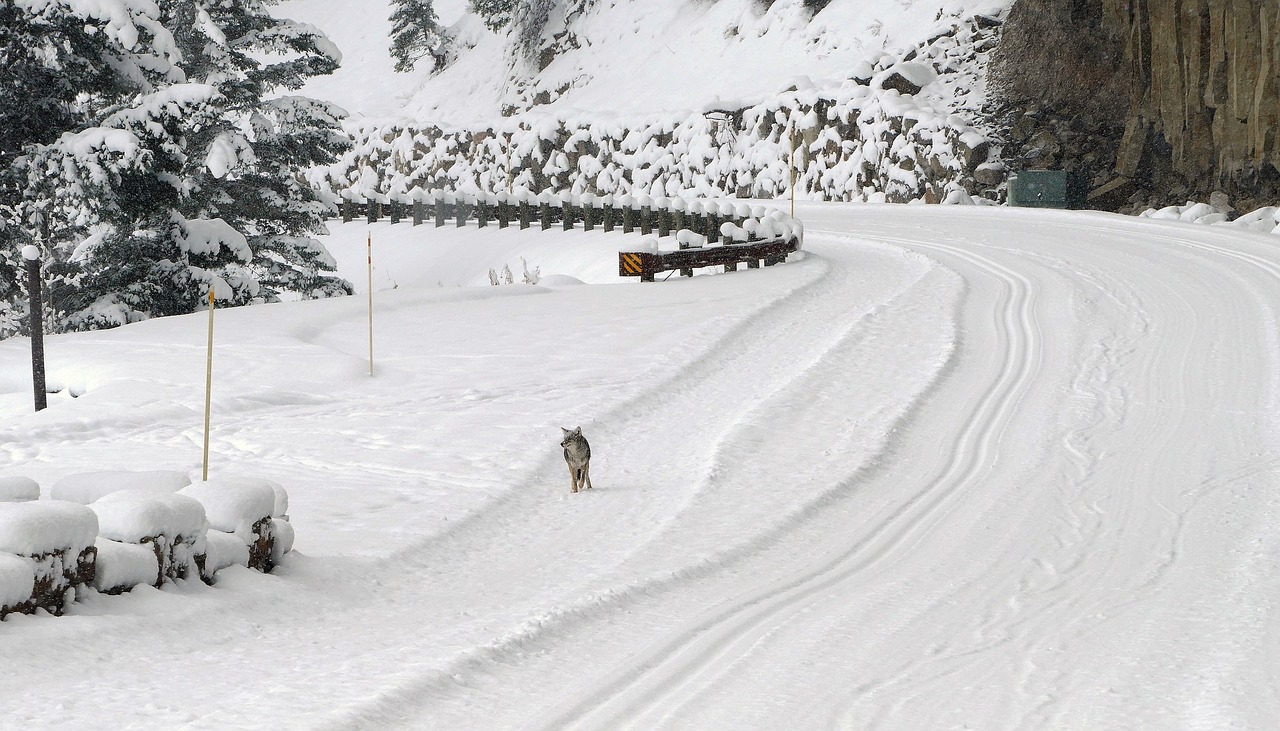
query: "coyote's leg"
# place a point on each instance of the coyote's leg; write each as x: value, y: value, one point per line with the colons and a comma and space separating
x: 573, y: 477
x: 586, y: 474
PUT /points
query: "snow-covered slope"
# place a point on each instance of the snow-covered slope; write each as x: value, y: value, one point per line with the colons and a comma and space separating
x: 627, y: 57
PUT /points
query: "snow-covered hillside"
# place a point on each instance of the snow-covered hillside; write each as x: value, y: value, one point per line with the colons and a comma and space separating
x: 628, y: 58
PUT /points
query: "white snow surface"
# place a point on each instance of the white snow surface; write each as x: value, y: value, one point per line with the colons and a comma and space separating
x: 950, y: 467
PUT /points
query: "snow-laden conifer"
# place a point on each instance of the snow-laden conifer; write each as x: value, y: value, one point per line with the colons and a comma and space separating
x: 416, y: 34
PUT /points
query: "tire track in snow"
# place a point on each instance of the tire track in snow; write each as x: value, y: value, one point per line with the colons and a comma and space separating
x: 794, y: 330
x: 667, y: 676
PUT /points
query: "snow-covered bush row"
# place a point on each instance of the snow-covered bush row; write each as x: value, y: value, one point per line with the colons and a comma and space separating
x: 875, y: 138
x: 1264, y: 220
x: 117, y: 530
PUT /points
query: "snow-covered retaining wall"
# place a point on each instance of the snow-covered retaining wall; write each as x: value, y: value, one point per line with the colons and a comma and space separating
x: 137, y: 528
x: 886, y: 135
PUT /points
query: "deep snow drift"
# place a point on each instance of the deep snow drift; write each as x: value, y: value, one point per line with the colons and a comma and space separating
x: 952, y: 467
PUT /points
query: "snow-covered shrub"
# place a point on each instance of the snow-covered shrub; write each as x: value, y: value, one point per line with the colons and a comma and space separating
x: 530, y: 277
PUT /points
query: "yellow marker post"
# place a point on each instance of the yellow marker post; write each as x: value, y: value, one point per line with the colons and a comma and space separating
x: 208, y: 387
x: 371, y: 304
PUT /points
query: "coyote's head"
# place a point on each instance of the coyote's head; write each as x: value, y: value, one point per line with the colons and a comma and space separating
x: 570, y: 435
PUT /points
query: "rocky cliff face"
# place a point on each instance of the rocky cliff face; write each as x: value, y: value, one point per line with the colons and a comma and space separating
x: 1195, y: 82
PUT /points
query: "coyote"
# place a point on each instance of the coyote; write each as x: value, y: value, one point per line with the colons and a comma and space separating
x: 577, y: 453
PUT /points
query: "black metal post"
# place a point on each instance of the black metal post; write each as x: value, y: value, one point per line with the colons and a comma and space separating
x: 32, y: 255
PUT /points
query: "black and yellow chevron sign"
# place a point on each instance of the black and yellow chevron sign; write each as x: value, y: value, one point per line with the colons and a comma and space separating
x: 632, y: 264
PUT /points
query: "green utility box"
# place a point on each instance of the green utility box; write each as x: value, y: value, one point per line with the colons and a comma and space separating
x: 1049, y: 189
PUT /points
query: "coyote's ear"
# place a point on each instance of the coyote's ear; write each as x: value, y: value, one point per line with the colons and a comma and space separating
x: 577, y: 431
x: 566, y: 431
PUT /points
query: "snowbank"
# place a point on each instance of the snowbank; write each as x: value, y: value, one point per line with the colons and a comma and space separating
x: 88, y: 487
x: 18, y: 490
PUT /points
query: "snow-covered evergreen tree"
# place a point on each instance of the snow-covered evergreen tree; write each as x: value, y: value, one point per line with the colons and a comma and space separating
x: 246, y: 168
x: 68, y: 161
x: 416, y: 34
x: 139, y: 147
x: 495, y: 13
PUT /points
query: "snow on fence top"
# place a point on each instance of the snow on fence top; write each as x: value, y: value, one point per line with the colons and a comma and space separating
x: 89, y: 487
x: 233, y: 505
x: 46, y: 526
x: 18, y: 489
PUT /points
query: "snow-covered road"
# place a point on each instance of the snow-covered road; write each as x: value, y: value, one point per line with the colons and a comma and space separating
x: 956, y: 467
